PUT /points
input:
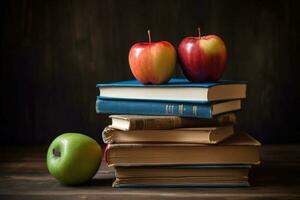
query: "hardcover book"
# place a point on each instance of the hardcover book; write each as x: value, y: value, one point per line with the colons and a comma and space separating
x: 144, y: 122
x: 238, y: 149
x: 178, y: 176
x: 182, y: 182
x: 196, y: 109
x: 183, y: 171
x: 205, y: 135
x: 180, y: 90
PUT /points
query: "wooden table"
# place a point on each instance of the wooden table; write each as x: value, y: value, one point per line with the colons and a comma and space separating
x: 23, y: 175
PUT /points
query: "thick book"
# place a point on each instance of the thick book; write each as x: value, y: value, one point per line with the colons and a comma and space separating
x: 144, y: 122
x: 183, y: 176
x: 204, y: 135
x: 183, y: 171
x: 199, y: 110
x: 174, y: 90
x: 238, y: 149
x: 181, y: 182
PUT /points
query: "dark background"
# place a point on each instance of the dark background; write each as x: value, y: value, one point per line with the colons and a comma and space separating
x: 54, y: 52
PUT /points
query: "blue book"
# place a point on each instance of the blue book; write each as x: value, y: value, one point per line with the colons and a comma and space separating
x: 195, y: 109
x: 177, y: 90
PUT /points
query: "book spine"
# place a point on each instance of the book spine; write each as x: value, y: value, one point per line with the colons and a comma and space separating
x: 153, y: 108
x: 105, y: 154
x: 221, y: 120
x: 155, y: 123
x: 171, y: 122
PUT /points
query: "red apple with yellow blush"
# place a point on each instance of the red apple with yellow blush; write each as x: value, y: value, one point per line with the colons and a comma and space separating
x: 152, y: 62
x: 202, y: 58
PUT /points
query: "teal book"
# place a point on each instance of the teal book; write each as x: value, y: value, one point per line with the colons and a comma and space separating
x: 190, y: 109
x: 177, y: 90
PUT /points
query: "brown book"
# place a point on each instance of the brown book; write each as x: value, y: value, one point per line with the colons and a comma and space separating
x: 208, y: 135
x: 182, y: 182
x: 144, y: 122
x: 183, y: 171
x: 238, y: 149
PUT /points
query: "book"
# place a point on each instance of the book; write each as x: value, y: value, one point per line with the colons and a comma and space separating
x: 204, y: 135
x: 198, y: 110
x: 178, y: 176
x: 174, y: 90
x: 182, y: 182
x: 238, y: 149
x: 144, y: 122
x: 183, y: 171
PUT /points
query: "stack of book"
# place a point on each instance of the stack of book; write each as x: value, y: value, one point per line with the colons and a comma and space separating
x: 176, y: 134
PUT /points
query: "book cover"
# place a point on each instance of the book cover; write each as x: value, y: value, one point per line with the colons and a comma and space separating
x: 212, y: 171
x: 204, y: 135
x: 148, y: 122
x: 172, y: 83
x: 240, y: 148
x: 181, y: 182
x: 199, y: 110
x: 178, y: 90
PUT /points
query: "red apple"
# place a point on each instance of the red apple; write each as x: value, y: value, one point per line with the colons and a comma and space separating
x: 152, y: 62
x: 202, y: 58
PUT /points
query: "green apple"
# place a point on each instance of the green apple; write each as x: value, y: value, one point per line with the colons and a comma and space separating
x: 73, y: 158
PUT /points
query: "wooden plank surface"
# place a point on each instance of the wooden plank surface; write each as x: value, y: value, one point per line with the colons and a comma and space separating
x: 24, y: 175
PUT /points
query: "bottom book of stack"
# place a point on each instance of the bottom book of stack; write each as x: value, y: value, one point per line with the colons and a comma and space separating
x: 225, y: 164
x: 178, y: 176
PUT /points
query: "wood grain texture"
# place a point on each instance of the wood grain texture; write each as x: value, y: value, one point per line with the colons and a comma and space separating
x: 23, y: 175
x: 54, y: 52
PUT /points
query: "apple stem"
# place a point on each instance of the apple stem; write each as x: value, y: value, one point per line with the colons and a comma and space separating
x: 149, y: 35
x: 199, y: 33
x: 56, y: 153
